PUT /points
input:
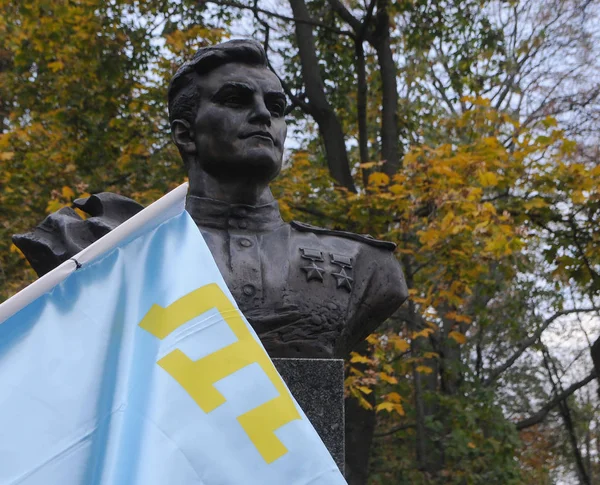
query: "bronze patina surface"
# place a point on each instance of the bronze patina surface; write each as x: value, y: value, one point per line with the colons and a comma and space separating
x: 307, y: 291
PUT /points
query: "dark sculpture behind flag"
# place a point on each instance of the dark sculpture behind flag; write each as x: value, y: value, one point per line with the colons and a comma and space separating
x: 307, y: 291
x: 125, y: 367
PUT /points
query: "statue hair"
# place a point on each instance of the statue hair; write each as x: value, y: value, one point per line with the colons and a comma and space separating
x: 184, y: 88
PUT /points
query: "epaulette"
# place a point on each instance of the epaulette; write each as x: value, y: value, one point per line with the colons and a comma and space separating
x: 370, y: 240
x: 111, y: 206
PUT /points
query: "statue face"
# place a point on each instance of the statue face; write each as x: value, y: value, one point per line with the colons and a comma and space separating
x: 240, y: 128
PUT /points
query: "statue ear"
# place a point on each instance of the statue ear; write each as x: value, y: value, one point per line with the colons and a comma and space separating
x: 183, y: 136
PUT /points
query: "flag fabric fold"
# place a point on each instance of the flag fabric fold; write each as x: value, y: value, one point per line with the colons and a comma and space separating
x: 131, y: 364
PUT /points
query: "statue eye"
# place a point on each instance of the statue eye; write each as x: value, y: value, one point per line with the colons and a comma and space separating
x: 277, y: 108
x: 234, y: 99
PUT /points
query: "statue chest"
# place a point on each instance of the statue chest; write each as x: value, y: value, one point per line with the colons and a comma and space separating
x: 294, y: 288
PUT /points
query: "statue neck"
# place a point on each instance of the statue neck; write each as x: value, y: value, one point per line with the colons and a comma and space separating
x: 232, y: 191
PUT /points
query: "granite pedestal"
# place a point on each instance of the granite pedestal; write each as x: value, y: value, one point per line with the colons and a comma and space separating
x: 318, y: 386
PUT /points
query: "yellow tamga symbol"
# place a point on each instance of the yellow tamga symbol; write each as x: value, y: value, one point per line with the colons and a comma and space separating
x: 198, y: 377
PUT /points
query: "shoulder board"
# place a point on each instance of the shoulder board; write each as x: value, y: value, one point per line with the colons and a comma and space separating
x: 370, y: 240
x: 113, y: 207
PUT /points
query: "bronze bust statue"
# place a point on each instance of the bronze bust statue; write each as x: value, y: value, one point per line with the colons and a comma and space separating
x: 307, y: 291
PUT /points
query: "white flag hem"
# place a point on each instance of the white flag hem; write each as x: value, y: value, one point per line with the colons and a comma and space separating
x: 156, y: 213
x: 32, y: 292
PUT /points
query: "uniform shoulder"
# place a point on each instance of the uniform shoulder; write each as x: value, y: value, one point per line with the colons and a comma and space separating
x: 365, y: 238
x: 63, y: 234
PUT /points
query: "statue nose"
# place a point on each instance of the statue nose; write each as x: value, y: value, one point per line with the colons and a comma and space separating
x: 260, y: 113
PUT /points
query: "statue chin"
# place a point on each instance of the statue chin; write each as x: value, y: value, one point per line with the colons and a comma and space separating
x: 259, y: 169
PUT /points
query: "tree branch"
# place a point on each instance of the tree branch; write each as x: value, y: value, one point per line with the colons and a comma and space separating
x: 497, y: 371
x: 307, y: 21
x: 539, y: 416
x: 565, y: 411
x: 345, y: 14
x: 395, y: 429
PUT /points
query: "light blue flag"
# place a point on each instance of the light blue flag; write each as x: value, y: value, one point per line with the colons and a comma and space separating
x: 133, y: 366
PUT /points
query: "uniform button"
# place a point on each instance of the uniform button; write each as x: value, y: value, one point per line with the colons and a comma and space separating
x: 249, y: 290
x: 245, y: 242
x: 242, y: 224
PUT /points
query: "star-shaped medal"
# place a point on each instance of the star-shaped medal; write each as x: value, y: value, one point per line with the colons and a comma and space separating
x: 313, y: 272
x: 343, y: 280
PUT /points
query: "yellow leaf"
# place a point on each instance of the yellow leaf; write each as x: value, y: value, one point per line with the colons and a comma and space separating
x: 357, y: 358
x: 498, y: 245
x: 385, y: 406
x: 423, y: 369
x: 378, y: 178
x: 458, y: 318
x: 373, y: 339
x: 488, y: 179
x: 577, y: 197
x: 390, y: 407
x: 431, y: 355
x: 429, y: 237
x: 426, y: 332
x: 463, y: 319
x: 490, y: 141
x: 471, y: 445
x: 363, y: 403
x: 15, y: 249
x: 53, y: 206
x: 81, y: 214
x: 396, y: 189
x: 458, y: 337
x: 5, y: 156
x: 364, y: 389
x: 67, y: 192
x: 447, y: 221
x: 489, y: 208
x: 393, y: 397
x: 568, y: 146
x: 399, y: 178
x: 56, y: 66
x: 387, y: 378
x: 536, y: 203
x: 400, y: 344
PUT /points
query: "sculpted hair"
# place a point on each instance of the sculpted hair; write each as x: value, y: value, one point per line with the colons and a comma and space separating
x: 184, y: 88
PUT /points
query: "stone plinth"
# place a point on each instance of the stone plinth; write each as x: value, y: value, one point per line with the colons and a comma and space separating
x: 318, y: 386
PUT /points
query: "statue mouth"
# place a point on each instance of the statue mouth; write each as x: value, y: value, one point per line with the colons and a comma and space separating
x: 265, y: 135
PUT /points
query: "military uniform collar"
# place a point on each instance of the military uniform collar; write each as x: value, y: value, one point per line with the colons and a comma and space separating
x: 221, y: 215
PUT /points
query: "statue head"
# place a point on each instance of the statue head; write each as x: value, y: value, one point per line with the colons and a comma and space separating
x: 226, y: 110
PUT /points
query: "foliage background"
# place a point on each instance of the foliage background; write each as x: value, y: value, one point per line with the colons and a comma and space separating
x: 464, y: 131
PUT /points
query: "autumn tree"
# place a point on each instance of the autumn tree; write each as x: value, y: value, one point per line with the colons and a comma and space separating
x: 82, y: 106
x: 461, y: 131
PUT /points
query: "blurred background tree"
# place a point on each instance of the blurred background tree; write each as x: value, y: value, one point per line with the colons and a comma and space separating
x: 464, y: 131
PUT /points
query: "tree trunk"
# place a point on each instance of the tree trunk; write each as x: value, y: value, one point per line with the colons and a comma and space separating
x: 390, y: 140
x: 596, y: 358
x: 429, y: 455
x: 361, y: 109
x: 330, y: 127
x: 565, y: 413
x: 360, y: 426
